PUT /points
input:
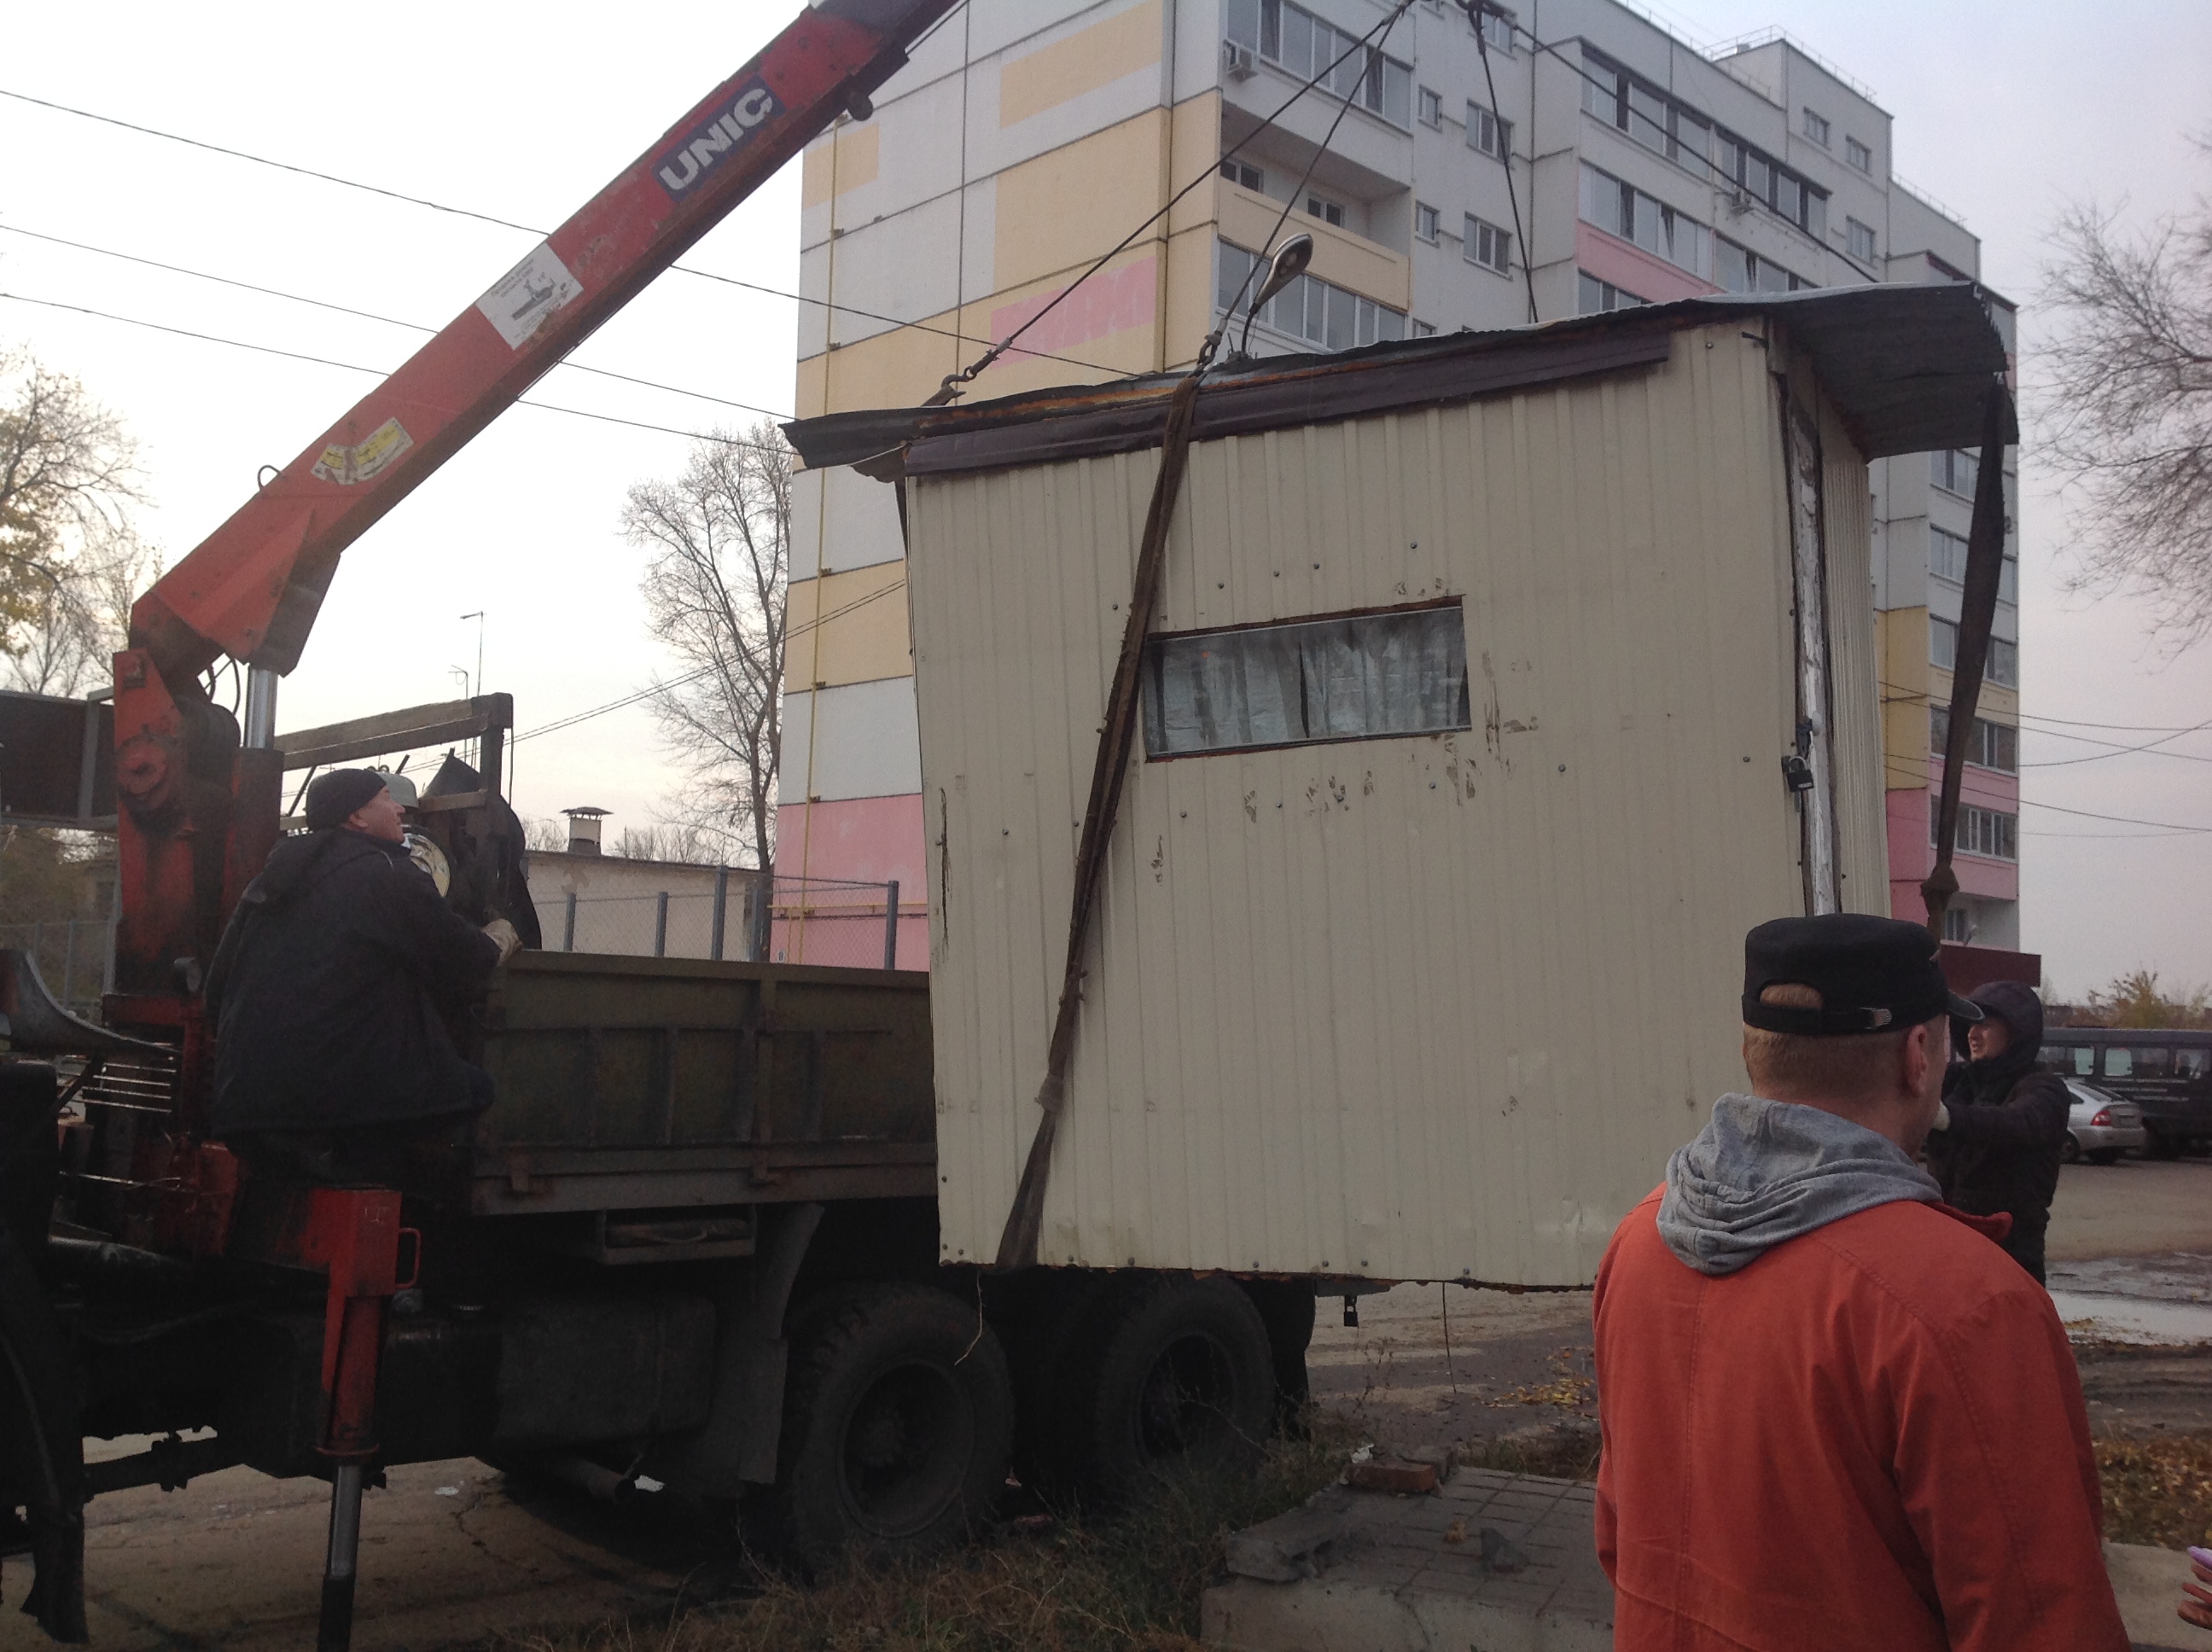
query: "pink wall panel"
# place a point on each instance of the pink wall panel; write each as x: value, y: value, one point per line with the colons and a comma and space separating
x: 1912, y: 857
x: 1632, y: 269
x: 858, y: 840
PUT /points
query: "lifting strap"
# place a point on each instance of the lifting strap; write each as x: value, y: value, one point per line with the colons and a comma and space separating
x: 1018, y: 1245
x: 1976, y: 609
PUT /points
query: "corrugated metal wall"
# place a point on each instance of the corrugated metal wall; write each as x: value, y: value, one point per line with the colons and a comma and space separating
x: 1435, y: 1007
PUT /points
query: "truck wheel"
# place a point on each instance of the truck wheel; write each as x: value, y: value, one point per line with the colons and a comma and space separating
x: 1175, y: 1374
x: 897, y: 1418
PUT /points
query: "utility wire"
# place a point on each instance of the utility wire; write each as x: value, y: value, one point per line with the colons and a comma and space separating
x: 2123, y: 820
x: 688, y: 678
x: 368, y: 315
x: 380, y: 372
x: 950, y: 388
x: 2151, y: 746
x: 508, y: 223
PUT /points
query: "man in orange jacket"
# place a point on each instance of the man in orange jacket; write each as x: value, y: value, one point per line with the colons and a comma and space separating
x: 1835, y: 1415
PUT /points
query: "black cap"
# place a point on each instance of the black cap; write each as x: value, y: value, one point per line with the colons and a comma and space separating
x: 333, y: 797
x: 1872, y: 974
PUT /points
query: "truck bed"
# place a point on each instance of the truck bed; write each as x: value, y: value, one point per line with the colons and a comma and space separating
x: 632, y: 1083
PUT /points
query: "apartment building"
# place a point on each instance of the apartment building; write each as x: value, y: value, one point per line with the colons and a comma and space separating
x: 1574, y: 156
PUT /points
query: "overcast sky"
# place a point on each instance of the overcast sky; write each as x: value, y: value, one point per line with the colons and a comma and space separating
x: 2004, y: 112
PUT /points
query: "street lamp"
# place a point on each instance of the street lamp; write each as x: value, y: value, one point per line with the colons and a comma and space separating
x: 1289, y: 263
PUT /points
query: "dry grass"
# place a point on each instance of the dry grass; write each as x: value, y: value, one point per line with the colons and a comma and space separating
x: 2158, y: 1489
x: 1130, y: 1584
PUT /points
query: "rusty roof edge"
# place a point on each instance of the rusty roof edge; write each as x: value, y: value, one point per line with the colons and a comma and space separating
x: 1867, y: 343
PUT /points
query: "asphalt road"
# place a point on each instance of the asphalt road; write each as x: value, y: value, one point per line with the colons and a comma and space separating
x: 451, y: 1552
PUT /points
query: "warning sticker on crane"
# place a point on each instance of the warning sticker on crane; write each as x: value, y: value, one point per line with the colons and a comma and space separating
x: 347, y: 465
x: 522, y: 298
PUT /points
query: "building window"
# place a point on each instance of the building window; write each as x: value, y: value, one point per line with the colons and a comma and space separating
x: 1329, y: 212
x: 1316, y: 311
x: 1988, y: 745
x: 1816, y: 128
x: 1431, y: 107
x: 1862, y: 240
x: 1424, y: 330
x: 1305, y: 46
x: 1621, y: 210
x: 1955, y: 471
x: 1486, y: 132
x: 1740, y: 270
x: 1858, y: 154
x: 1428, y: 222
x: 1364, y: 677
x: 1488, y: 245
x: 1981, y: 831
x: 1596, y: 297
x: 1957, y: 925
x: 1237, y: 171
x: 1495, y: 25
x: 1946, y: 560
x: 2004, y: 668
x: 1947, y: 555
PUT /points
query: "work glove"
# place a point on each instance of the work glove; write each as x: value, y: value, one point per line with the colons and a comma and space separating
x: 1942, y: 1116
x: 2198, y: 1607
x: 503, y: 933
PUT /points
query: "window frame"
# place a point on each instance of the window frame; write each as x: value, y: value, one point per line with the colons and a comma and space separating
x: 1474, y: 231
x: 1815, y: 128
x: 1482, y: 122
x: 1429, y: 107
x: 1859, y: 239
x: 1236, y: 172
x: 1433, y: 219
x: 1858, y: 155
x: 1155, y: 645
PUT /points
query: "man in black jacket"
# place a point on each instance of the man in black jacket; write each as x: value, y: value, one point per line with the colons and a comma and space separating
x: 1998, y: 1133
x: 329, y: 995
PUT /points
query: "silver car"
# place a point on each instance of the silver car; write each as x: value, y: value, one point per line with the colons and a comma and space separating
x: 2100, y: 1127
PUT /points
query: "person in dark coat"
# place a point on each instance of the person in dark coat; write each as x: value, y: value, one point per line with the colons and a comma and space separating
x: 329, y: 995
x: 1997, y: 1137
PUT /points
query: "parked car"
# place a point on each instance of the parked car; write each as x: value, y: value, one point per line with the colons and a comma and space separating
x: 2100, y: 1127
x: 2167, y: 1071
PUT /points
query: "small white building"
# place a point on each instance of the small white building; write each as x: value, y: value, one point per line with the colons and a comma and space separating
x: 591, y: 901
x: 1498, y: 683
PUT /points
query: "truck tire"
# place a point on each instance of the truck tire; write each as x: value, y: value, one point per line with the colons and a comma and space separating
x: 898, y: 1419
x: 1174, y: 1373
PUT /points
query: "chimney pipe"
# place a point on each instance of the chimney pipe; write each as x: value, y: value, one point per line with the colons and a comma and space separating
x: 584, y: 829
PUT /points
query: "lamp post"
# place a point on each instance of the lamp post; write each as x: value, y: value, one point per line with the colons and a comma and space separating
x: 1288, y: 263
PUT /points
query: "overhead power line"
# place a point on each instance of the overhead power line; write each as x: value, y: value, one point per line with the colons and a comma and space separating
x: 689, y: 678
x: 368, y: 315
x: 508, y: 223
x: 381, y: 373
x: 2121, y: 820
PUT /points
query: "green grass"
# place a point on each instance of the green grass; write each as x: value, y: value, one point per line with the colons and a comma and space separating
x: 1072, y: 1585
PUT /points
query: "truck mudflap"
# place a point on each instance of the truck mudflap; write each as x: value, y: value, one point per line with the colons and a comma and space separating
x: 41, y: 1450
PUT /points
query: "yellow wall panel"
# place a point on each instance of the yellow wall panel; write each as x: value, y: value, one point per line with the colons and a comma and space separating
x: 847, y: 162
x: 1349, y: 260
x: 1196, y: 136
x: 1082, y: 62
x: 1901, y: 637
x: 1071, y: 204
x: 848, y: 628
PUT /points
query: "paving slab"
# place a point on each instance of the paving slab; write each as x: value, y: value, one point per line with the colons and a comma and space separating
x: 1384, y: 1573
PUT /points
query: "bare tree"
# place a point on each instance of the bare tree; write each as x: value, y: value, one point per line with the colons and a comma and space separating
x: 70, y: 558
x: 714, y: 590
x: 2127, y: 405
x: 681, y: 842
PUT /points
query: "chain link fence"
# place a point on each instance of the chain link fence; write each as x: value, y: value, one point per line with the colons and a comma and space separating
x: 75, y: 959
x: 745, y: 916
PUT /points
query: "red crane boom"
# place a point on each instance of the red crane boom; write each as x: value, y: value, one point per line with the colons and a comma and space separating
x: 197, y: 814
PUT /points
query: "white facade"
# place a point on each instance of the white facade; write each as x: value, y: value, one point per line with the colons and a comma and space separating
x: 1616, y: 165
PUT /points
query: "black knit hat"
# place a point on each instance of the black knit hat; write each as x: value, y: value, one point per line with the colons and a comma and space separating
x: 1871, y: 974
x: 333, y: 797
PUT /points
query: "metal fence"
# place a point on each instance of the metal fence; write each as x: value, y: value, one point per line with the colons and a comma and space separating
x: 75, y: 959
x: 745, y: 916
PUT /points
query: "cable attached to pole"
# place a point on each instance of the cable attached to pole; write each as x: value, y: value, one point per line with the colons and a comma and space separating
x: 953, y: 381
x: 1475, y: 11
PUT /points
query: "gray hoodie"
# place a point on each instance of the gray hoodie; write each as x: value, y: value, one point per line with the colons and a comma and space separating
x: 1761, y: 1173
